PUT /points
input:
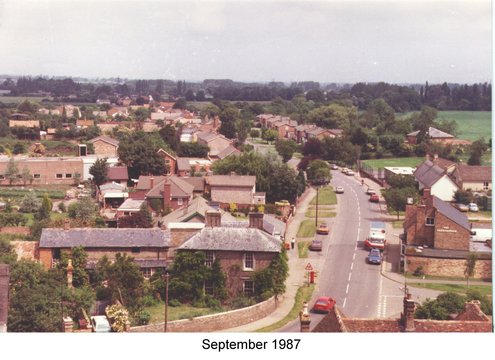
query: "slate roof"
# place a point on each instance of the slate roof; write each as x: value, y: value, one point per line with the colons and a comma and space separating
x: 433, y: 133
x: 104, y: 238
x: 199, y: 206
x: 207, y: 136
x: 183, y: 164
x: 467, y: 173
x: 178, y: 188
x: 451, y: 212
x: 231, y: 180
x: 229, y: 150
x: 106, y: 139
x: 198, y: 182
x: 271, y: 224
x: 117, y: 173
x: 232, y: 239
x: 428, y: 173
x: 144, y: 182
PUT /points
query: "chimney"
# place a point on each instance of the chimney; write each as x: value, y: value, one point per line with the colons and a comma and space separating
x: 66, y: 224
x: 152, y: 182
x: 256, y: 220
x: 4, y: 296
x: 70, y: 270
x: 213, y: 218
x: 408, y: 314
x: 305, y: 318
x: 167, y: 193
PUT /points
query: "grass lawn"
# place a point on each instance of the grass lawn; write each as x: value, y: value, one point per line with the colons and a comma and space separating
x: 406, y: 161
x: 53, y: 216
x: 326, y: 196
x: 472, y: 125
x: 302, y: 249
x: 306, y: 229
x: 458, y: 288
x: 176, y: 312
x: 321, y: 213
x: 303, y: 295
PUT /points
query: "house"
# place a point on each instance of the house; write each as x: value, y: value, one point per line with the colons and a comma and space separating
x: 185, y: 166
x: 437, y: 136
x: 430, y: 175
x: 216, y: 142
x: 436, y: 224
x: 99, y: 114
x: 118, y: 174
x: 231, y: 189
x: 286, y: 128
x: 44, y: 170
x: 320, y: 133
x: 129, y: 207
x: 170, y: 162
x: 105, y: 146
x: 230, y: 150
x: 23, y: 120
x: 301, y: 132
x: 112, y: 195
x: 241, y: 251
x: 188, y: 134
x: 472, y: 319
x: 85, y: 123
x: 476, y: 178
x: 118, y: 111
x: 148, y: 247
x: 164, y: 192
x: 197, y: 182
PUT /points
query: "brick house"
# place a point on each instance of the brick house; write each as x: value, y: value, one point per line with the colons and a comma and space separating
x: 105, y: 146
x: 240, y: 250
x: 430, y: 175
x: 320, y: 133
x: 186, y: 165
x: 171, y: 192
x: 436, y: 224
x: 129, y: 207
x: 434, y: 135
x: 231, y: 189
x: 476, y: 178
x: 118, y: 174
x: 148, y: 247
x: 170, y: 161
x: 44, y: 170
x: 286, y: 128
x: 216, y: 142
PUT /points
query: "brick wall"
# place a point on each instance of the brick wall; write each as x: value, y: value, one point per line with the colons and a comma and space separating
x: 216, y: 322
x: 450, y: 235
x: 448, y: 267
x: 178, y: 236
x: 17, y: 230
x: 103, y: 148
x: 4, y: 296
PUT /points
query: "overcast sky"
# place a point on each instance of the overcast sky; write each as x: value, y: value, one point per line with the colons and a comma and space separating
x: 327, y: 41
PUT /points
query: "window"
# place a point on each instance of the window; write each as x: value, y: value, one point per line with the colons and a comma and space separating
x: 209, y: 288
x: 486, y: 185
x: 179, y: 201
x: 430, y: 221
x: 210, y: 258
x: 248, y: 287
x: 248, y: 261
x: 37, y: 176
x: 68, y: 176
x: 59, y: 176
x: 136, y: 250
x: 147, y: 272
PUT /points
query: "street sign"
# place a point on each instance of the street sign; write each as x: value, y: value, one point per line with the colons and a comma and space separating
x: 309, y: 267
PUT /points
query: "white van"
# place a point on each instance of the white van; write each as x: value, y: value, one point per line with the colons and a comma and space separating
x: 100, y: 323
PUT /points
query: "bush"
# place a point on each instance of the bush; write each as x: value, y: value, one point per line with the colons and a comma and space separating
x: 199, y: 303
x: 212, y: 303
x: 62, y: 207
x: 142, y: 318
x: 419, y: 271
x: 149, y: 300
x: 241, y: 302
x: 103, y: 293
x: 174, y: 303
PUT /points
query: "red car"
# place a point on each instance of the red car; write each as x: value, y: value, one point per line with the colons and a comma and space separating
x: 374, y: 198
x: 323, y: 304
x: 323, y: 229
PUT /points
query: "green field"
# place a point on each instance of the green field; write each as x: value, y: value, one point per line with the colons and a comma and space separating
x: 326, y: 196
x: 472, y: 124
x: 381, y: 163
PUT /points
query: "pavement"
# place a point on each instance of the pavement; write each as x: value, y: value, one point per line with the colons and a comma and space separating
x: 296, y: 278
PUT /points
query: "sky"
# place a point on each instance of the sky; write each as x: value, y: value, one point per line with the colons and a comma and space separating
x: 401, y: 41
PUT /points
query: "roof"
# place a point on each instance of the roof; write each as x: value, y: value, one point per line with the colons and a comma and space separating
x: 207, y: 136
x: 229, y: 150
x: 103, y: 237
x: 106, y: 139
x: 112, y: 186
x: 231, y: 180
x: 197, y: 206
x: 198, y: 182
x: 144, y: 182
x: 160, y: 150
x: 117, y: 173
x: 451, y: 212
x: 273, y: 225
x: 183, y: 164
x: 178, y: 188
x: 131, y: 204
x: 428, y: 173
x: 232, y: 239
x: 433, y: 133
x: 467, y: 173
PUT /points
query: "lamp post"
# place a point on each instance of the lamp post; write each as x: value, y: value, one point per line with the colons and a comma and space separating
x: 316, y: 219
x: 166, y: 301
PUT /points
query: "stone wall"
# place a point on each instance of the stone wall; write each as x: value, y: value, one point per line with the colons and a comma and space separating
x: 215, y: 322
x: 448, y: 267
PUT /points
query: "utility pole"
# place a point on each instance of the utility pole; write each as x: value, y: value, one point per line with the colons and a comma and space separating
x: 166, y: 301
x: 316, y: 219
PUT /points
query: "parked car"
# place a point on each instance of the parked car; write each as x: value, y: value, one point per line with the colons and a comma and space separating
x: 375, y: 241
x: 323, y: 229
x: 374, y: 257
x: 370, y: 191
x: 473, y: 207
x: 334, y: 167
x: 100, y: 323
x: 462, y: 207
x: 344, y: 170
x: 374, y: 198
x: 339, y: 190
x: 323, y: 304
x: 316, y: 245
x: 349, y: 173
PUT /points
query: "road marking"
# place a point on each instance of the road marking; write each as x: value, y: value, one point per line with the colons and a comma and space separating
x: 350, y: 274
x: 354, y: 257
x: 343, y: 305
x: 381, y: 300
x: 352, y: 264
x: 347, y: 289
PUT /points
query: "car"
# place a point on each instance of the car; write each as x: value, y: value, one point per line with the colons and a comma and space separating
x: 323, y: 304
x: 323, y: 229
x: 374, y: 198
x: 473, y: 207
x: 334, y: 167
x: 349, y: 173
x: 344, y: 170
x: 100, y: 323
x: 374, y: 257
x: 316, y: 245
x: 339, y: 190
x: 462, y: 207
x: 370, y: 191
x: 375, y: 241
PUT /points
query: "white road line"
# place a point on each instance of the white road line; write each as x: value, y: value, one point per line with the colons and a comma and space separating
x: 352, y: 265
x: 349, y: 278
x: 347, y: 289
x: 354, y: 257
x: 343, y: 305
x: 381, y: 307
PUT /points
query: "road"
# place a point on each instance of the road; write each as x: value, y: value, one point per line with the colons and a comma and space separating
x: 358, y: 287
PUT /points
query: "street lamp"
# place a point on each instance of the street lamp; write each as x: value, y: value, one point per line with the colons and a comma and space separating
x: 166, y: 301
x: 316, y: 220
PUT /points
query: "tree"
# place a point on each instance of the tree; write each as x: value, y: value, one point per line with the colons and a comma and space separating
x: 396, y: 198
x: 270, y: 135
x: 139, y: 152
x: 333, y: 116
x: 301, y: 183
x: 477, y: 148
x: 180, y: 104
x: 141, y: 219
x: 12, y: 171
x: 470, y: 266
x: 441, y: 308
x: 463, y: 196
x: 254, y: 133
x: 84, y: 210
x: 45, y: 209
x: 79, y: 257
x: 401, y: 181
x: 318, y: 172
x: 285, y: 149
x: 187, y: 276
x: 193, y: 149
x: 99, y: 170
x: 7, y: 253
x: 170, y: 136
x: 271, y: 280
x: 30, y: 203
x: 26, y: 176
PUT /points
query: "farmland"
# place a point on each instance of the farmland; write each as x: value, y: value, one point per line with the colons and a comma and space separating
x: 472, y: 124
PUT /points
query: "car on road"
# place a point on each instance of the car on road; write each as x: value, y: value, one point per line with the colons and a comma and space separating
x: 374, y: 198
x: 316, y: 245
x: 375, y: 241
x: 370, y: 191
x: 100, y: 323
x: 339, y: 190
x: 323, y: 229
x: 344, y: 170
x: 349, y: 173
x: 334, y: 167
x: 323, y: 304
x: 374, y: 257
x: 462, y: 207
x: 473, y: 207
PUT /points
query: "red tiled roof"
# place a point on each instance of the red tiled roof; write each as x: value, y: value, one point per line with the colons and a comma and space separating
x: 178, y: 188
x: 117, y: 173
x: 474, y: 173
